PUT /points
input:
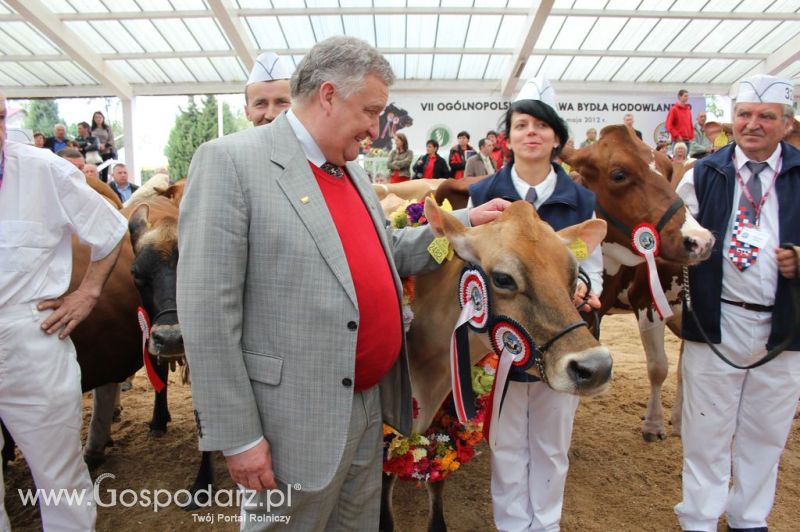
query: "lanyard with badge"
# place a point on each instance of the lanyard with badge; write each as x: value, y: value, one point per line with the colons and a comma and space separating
x: 754, y: 236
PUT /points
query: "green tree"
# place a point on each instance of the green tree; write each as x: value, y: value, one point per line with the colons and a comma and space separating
x: 193, y: 126
x: 42, y: 115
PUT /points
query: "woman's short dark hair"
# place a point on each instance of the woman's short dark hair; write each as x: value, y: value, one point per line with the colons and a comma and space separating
x: 433, y: 142
x: 546, y: 114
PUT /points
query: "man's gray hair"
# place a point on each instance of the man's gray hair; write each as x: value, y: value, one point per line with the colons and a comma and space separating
x: 788, y: 111
x: 344, y: 61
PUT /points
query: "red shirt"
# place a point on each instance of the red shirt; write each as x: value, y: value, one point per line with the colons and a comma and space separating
x: 380, y: 329
x: 428, y: 172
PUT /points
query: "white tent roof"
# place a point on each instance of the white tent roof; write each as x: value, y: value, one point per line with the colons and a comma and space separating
x: 63, y: 48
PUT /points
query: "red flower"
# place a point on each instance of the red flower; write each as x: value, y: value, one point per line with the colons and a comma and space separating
x: 465, y: 453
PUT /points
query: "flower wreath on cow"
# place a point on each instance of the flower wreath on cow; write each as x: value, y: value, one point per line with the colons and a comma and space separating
x: 447, y: 444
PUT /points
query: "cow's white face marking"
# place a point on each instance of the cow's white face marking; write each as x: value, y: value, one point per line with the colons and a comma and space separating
x: 653, y: 166
x: 615, y: 256
x: 701, y: 238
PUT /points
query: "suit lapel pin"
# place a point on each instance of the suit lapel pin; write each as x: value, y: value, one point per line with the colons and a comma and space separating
x: 304, y: 200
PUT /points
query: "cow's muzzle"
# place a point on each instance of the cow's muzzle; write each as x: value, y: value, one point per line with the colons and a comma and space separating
x: 166, y: 343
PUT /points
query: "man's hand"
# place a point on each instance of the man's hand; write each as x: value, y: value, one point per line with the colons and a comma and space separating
x: 487, y: 212
x: 69, y: 311
x: 580, y: 294
x: 253, y: 468
x: 787, y: 261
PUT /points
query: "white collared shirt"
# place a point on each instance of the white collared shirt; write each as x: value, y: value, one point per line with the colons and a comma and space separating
x: 44, y: 199
x: 310, y: 147
x: 758, y: 283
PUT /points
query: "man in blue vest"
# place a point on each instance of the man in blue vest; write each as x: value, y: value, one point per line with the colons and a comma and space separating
x: 736, y: 421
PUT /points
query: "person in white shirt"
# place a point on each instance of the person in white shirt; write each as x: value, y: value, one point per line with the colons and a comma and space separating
x: 735, y: 420
x: 44, y: 199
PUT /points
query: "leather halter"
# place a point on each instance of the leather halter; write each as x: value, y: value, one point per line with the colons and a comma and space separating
x: 627, y: 230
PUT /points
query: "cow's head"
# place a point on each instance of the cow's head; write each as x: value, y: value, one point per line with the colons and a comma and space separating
x: 153, y: 226
x: 632, y: 184
x: 532, y: 277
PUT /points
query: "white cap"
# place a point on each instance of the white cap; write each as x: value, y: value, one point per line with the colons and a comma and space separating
x: 538, y: 89
x: 268, y: 67
x: 765, y: 89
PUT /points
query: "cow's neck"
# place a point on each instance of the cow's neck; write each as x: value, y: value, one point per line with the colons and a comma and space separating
x: 616, y: 255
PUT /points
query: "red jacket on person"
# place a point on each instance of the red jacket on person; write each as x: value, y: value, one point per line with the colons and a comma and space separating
x: 679, y: 122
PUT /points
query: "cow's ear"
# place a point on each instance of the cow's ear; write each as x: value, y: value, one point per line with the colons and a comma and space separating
x: 591, y: 232
x: 443, y: 223
x: 138, y: 223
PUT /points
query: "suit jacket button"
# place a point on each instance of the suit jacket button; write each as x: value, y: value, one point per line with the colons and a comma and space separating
x: 352, y: 325
x: 347, y: 382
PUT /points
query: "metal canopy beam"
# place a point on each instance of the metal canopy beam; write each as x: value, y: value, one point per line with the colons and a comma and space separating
x: 78, y: 49
x: 784, y: 56
x: 234, y: 31
x: 536, y: 19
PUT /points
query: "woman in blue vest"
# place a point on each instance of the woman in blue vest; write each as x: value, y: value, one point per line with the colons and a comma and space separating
x: 529, y: 462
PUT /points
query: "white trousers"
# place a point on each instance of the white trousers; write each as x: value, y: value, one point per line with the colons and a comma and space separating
x: 735, y: 424
x: 40, y: 403
x: 530, y: 462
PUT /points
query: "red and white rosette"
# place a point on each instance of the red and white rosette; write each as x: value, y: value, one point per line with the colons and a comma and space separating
x: 473, y: 296
x: 515, y: 348
x: 144, y: 325
x: 647, y: 243
x: 473, y: 289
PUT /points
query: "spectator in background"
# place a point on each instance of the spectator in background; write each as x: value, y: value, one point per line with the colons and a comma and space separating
x: 701, y: 145
x: 120, y: 184
x: 400, y: 158
x: 267, y: 92
x: 90, y: 170
x: 680, y: 153
x: 105, y: 141
x: 38, y: 139
x: 458, y: 155
x: 87, y: 144
x: 718, y: 136
x: 663, y: 147
x: 430, y: 165
x: 481, y: 164
x: 74, y: 156
x: 679, y: 120
x: 591, y: 136
x: 59, y: 140
x: 628, y: 121
x: 497, y: 148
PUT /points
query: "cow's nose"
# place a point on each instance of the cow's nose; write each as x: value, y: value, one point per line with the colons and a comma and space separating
x: 697, y: 248
x: 591, y: 371
x: 166, y: 341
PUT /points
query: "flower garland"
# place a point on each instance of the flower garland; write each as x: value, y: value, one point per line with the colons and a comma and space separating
x: 447, y: 444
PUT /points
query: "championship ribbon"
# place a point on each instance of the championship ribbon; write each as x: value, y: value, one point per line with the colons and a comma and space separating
x: 473, y: 296
x: 646, y: 243
x: 516, y: 350
x: 144, y: 325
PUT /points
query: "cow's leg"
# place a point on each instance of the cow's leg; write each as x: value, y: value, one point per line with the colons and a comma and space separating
x: 675, y: 418
x: 203, y: 484
x: 651, y: 332
x: 94, y: 453
x: 158, y: 424
x: 436, y: 509
x: 9, y: 447
x: 387, y: 512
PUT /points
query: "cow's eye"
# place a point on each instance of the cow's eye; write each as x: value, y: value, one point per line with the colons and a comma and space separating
x: 503, y: 281
x: 618, y: 176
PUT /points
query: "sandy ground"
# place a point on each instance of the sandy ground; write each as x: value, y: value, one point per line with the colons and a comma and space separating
x: 616, y: 480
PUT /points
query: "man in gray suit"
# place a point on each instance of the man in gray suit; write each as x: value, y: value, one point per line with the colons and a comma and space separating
x: 289, y: 299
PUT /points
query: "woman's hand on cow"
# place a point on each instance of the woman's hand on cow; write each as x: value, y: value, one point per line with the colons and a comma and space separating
x: 581, y: 301
x: 253, y: 467
x: 68, y: 312
x: 788, y: 261
x: 488, y: 211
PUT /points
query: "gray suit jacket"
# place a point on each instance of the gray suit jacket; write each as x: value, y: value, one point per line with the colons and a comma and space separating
x: 475, y: 167
x: 265, y: 297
